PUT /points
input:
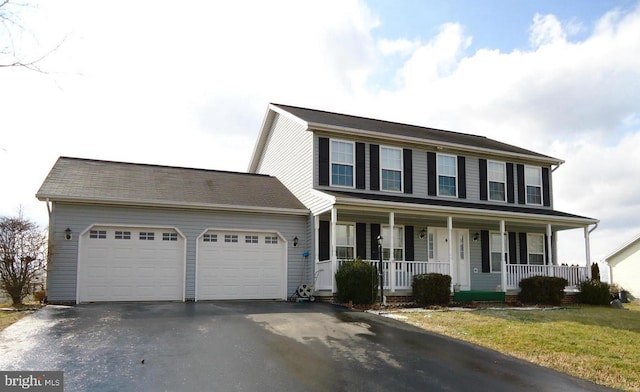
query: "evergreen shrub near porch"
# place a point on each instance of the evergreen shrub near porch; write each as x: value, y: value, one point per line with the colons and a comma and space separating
x: 431, y: 289
x: 545, y: 290
x: 594, y: 292
x: 357, y: 282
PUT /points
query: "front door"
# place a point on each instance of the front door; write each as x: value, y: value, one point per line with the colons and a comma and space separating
x: 459, y: 255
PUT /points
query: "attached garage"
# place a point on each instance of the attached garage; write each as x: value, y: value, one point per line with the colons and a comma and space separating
x: 131, y: 264
x: 240, y: 265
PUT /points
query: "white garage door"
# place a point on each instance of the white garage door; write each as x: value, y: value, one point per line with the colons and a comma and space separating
x: 131, y: 264
x: 240, y: 265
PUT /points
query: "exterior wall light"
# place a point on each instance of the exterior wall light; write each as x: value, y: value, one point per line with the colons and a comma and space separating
x: 295, y: 241
x: 67, y: 234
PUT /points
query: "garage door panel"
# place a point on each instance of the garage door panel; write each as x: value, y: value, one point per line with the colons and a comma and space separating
x: 240, y: 270
x: 130, y: 269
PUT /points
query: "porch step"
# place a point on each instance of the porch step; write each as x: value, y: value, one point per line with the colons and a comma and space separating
x: 483, y: 296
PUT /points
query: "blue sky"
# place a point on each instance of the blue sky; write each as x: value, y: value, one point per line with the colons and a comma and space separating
x: 150, y: 82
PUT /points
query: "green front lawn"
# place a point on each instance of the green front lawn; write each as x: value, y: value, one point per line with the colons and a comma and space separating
x: 595, y: 343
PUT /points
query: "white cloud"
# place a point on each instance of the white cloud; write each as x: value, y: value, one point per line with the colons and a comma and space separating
x: 546, y: 30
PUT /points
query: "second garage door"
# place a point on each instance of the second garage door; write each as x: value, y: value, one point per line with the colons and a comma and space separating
x: 240, y: 265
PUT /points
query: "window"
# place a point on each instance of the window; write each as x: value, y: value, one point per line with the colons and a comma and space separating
x: 430, y: 246
x: 447, y: 175
x: 270, y: 240
x: 461, y: 248
x: 497, y: 174
x: 251, y: 239
x: 230, y: 238
x: 391, y: 169
x: 169, y: 236
x: 98, y: 234
x: 342, y: 157
x: 535, y: 249
x: 398, y: 242
x: 345, y: 241
x: 147, y: 236
x: 210, y: 238
x: 533, y: 184
x: 123, y: 235
x: 496, y: 250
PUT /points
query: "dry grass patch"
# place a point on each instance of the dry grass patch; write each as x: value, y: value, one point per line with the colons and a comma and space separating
x: 8, y: 317
x: 594, y: 343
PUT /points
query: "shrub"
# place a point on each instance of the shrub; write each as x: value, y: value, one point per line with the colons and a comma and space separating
x: 357, y: 281
x: 39, y: 295
x: 595, y: 272
x: 542, y: 290
x: 431, y: 289
x: 594, y: 292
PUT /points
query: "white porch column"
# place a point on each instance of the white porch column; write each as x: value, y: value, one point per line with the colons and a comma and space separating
x: 392, y: 245
x: 588, y: 251
x: 549, y: 248
x: 452, y: 268
x: 503, y: 260
x: 334, y: 258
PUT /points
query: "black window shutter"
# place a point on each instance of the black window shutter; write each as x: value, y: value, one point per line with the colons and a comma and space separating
x: 431, y: 173
x: 546, y: 250
x: 374, y: 175
x: 513, y: 256
x: 523, y: 248
x: 323, y: 161
x: 462, y: 178
x: 375, y: 232
x: 483, y: 179
x: 324, y: 241
x: 360, y: 165
x: 408, y: 243
x: 510, y: 184
x: 408, y: 170
x: 521, y: 191
x: 486, y: 256
x: 361, y: 240
x: 546, y: 192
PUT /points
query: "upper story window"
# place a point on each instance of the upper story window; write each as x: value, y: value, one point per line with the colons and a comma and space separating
x: 495, y: 246
x: 497, y: 177
x: 342, y: 163
x: 535, y: 249
x: 398, y: 242
x: 533, y: 184
x: 447, y: 175
x: 391, y: 169
x: 345, y: 241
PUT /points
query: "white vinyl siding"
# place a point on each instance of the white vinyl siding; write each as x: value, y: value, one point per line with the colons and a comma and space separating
x: 497, y: 178
x: 391, y: 169
x: 447, y: 175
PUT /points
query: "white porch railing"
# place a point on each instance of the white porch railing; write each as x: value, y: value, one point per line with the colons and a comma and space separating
x: 574, y: 274
x: 401, y: 273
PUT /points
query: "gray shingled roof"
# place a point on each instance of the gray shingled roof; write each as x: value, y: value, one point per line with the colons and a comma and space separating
x: 318, y: 117
x: 75, y: 179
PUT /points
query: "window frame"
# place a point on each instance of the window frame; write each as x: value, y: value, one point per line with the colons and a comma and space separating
x: 529, y: 252
x: 98, y: 234
x: 122, y: 235
x: 352, y: 225
x: 209, y: 237
x: 146, y: 236
x: 503, y: 182
x: 499, y: 251
x: 386, y: 241
x: 438, y: 174
x: 353, y: 163
x: 527, y: 185
x: 382, y: 188
x: 168, y: 236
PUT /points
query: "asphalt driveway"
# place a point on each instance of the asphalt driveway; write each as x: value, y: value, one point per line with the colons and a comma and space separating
x: 257, y: 346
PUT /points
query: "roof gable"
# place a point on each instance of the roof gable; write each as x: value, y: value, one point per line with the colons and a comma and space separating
x: 627, y: 245
x: 84, y: 180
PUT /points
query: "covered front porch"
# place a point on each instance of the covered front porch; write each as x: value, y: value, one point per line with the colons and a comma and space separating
x: 481, y: 250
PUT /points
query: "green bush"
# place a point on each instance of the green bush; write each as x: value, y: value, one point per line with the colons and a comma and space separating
x: 542, y: 290
x: 357, y: 281
x: 431, y: 289
x: 595, y: 272
x: 594, y: 292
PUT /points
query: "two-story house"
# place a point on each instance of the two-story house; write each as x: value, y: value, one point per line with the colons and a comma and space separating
x: 322, y: 187
x: 432, y: 200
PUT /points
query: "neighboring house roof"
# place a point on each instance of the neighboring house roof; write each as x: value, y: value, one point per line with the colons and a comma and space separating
x: 322, y: 120
x: 85, y: 180
x: 467, y: 207
x: 621, y: 249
